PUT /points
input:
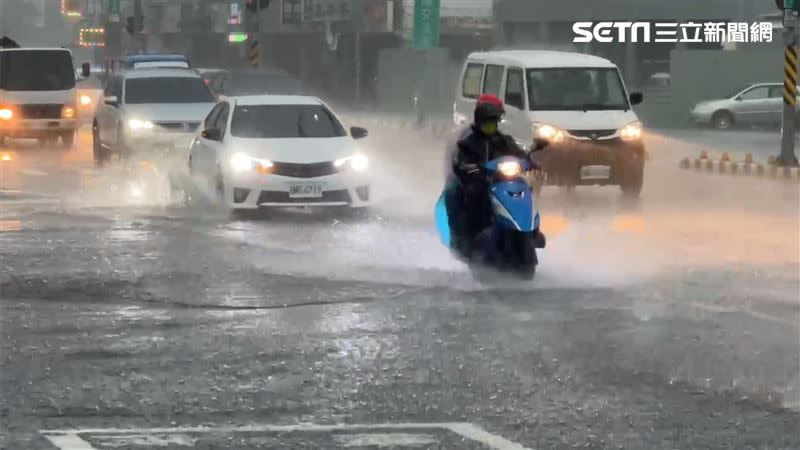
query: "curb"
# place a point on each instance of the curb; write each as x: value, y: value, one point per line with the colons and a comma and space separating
x: 725, y: 165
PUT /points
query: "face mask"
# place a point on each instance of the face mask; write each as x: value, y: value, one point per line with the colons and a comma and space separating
x: 489, y: 128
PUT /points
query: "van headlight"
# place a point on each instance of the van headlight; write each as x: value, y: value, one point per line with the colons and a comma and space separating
x: 548, y: 132
x: 358, y: 162
x: 631, y: 132
x: 140, y: 124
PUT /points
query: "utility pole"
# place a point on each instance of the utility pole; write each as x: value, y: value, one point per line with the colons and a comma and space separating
x: 787, y: 156
x: 358, y: 19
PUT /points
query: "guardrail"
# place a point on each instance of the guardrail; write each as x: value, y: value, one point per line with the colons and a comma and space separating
x: 725, y: 165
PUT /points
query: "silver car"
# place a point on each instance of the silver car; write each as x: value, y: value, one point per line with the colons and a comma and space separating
x: 758, y: 104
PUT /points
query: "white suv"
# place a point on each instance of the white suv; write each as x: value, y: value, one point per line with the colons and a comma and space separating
x: 150, y: 108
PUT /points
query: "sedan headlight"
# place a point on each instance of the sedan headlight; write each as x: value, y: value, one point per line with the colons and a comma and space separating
x: 139, y: 124
x: 509, y: 168
x: 358, y: 162
x: 631, y: 132
x: 548, y: 132
x: 241, y: 162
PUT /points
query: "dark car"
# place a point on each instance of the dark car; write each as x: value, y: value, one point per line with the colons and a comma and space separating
x: 256, y: 82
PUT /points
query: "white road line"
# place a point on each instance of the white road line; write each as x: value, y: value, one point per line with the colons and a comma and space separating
x: 478, y: 434
x: 69, y: 439
x: 755, y: 314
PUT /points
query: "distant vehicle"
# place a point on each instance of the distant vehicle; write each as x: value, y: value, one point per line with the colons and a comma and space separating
x: 577, y: 102
x: 279, y: 151
x: 149, y: 108
x: 148, y: 61
x: 89, y: 91
x: 37, y: 95
x: 757, y: 104
x: 256, y: 82
x: 660, y: 79
x: 210, y: 75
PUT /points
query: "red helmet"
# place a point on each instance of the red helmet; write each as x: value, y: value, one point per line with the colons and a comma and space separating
x: 492, y: 100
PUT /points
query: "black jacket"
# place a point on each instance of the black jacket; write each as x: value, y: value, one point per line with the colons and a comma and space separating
x: 477, y: 148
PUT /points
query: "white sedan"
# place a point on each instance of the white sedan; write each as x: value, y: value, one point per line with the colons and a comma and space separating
x: 280, y: 150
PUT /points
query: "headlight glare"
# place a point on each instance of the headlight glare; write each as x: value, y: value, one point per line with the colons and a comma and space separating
x: 85, y: 100
x: 548, y: 132
x: 358, y: 162
x: 241, y: 162
x: 6, y: 114
x: 139, y: 124
x: 509, y: 168
x: 631, y: 132
x: 68, y: 112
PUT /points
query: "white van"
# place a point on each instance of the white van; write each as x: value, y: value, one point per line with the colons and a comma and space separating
x: 37, y: 95
x: 578, y: 102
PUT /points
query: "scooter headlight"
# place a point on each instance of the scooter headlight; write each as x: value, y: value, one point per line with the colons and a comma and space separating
x: 509, y: 168
x: 548, y: 132
x: 358, y: 162
x: 631, y: 132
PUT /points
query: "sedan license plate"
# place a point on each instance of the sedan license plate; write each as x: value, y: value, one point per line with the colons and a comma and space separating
x: 595, y: 172
x: 305, y: 190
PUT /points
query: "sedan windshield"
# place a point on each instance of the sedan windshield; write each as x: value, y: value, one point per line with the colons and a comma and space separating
x: 576, y: 89
x: 167, y: 90
x: 285, y: 121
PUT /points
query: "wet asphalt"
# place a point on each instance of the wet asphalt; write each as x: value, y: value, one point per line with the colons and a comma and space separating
x: 668, y: 323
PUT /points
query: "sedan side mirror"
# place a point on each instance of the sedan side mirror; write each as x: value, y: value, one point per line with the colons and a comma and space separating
x: 636, y: 98
x: 212, y: 134
x: 86, y: 70
x: 358, y: 132
x: 111, y: 100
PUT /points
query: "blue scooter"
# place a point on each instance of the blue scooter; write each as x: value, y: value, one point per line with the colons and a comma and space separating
x: 509, y: 244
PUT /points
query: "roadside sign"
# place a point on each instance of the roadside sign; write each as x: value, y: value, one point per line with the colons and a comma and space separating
x: 237, y: 38
x: 426, y: 23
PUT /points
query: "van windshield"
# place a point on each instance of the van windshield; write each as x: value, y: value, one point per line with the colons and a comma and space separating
x: 576, y: 89
x: 36, y: 70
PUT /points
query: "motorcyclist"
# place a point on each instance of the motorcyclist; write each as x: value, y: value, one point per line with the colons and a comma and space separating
x: 468, y: 204
x: 463, y: 132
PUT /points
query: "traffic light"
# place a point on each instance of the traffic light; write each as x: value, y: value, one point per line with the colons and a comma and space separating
x: 252, y: 6
x: 132, y: 25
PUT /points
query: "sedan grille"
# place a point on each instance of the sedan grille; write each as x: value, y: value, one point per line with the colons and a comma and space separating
x: 592, y: 134
x: 182, y: 127
x: 338, y: 196
x: 312, y: 170
x: 48, y: 111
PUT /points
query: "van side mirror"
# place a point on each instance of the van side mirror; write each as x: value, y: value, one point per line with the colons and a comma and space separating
x: 636, y: 98
x: 539, y: 145
x: 358, y: 132
x: 212, y: 134
x: 111, y: 100
x: 86, y: 70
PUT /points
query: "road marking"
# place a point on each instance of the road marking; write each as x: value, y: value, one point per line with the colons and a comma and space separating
x: 749, y: 312
x: 385, y: 440
x: 69, y: 439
